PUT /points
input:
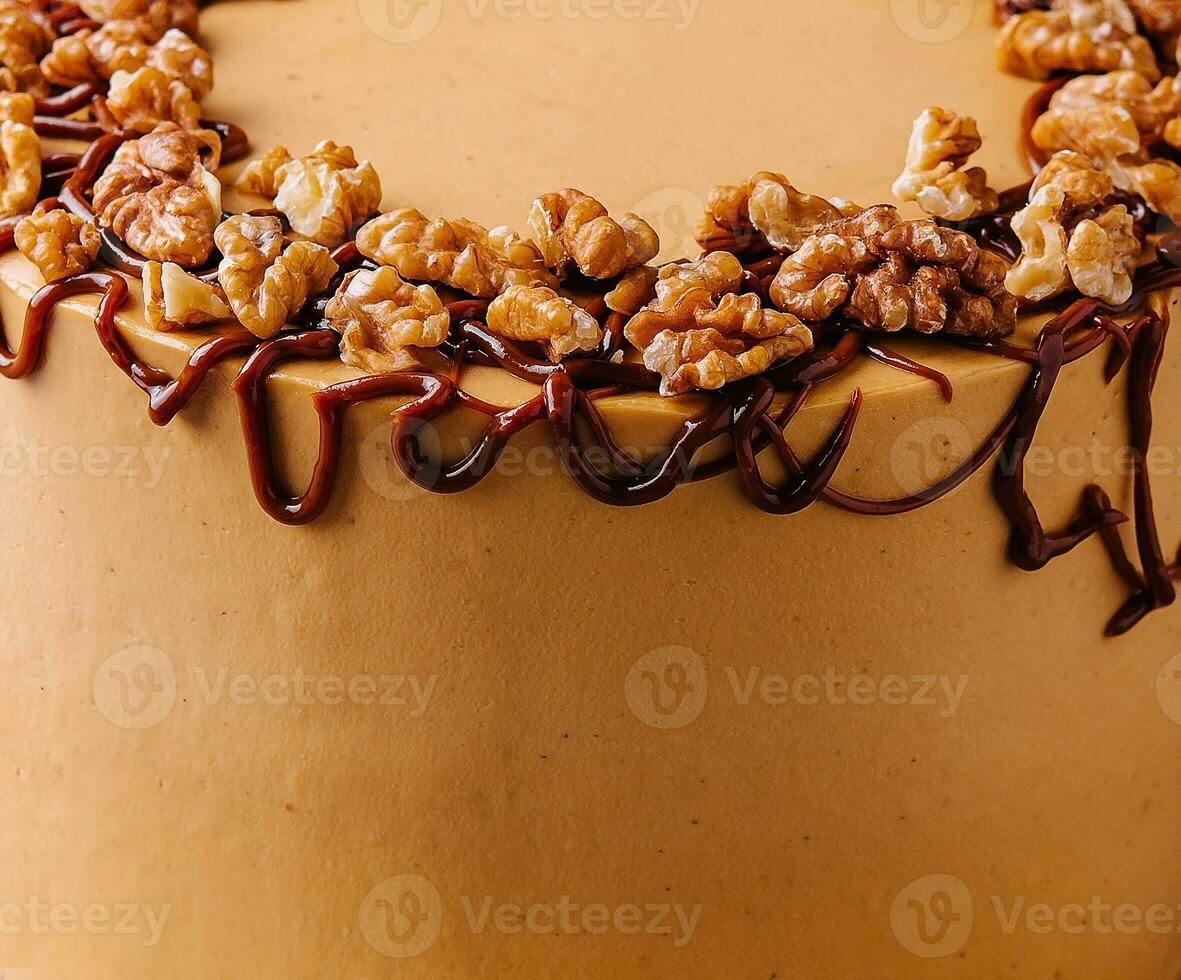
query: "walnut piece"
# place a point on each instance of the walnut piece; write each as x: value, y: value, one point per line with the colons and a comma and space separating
x: 1109, y: 136
x: 17, y: 107
x: 20, y: 168
x: 1075, y: 36
x: 940, y: 144
x: 261, y: 176
x: 1160, y: 19
x: 120, y: 45
x: 1065, y: 241
x: 325, y: 194
x: 460, y: 253
x: 575, y: 230
x: 154, y: 17
x: 766, y: 211
x: 58, y: 243
x: 700, y: 333
x: 23, y: 42
x: 634, y: 291
x: 264, y: 284
x: 143, y: 99
x: 159, y: 198
x: 537, y: 313
x: 380, y: 316
x: 890, y: 274
x: 174, y: 299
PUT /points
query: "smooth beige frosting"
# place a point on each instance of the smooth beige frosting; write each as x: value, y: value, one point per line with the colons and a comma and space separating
x: 280, y: 836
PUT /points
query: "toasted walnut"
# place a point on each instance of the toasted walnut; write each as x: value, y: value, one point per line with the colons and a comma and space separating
x: 1076, y: 36
x: 20, y: 168
x: 143, y: 99
x: 537, y: 313
x: 17, y: 107
x: 890, y: 274
x: 154, y: 17
x: 57, y: 242
x: 766, y: 211
x: 262, y: 176
x: 264, y: 284
x: 573, y: 229
x: 178, y: 55
x: 700, y: 333
x: 1103, y: 255
x: 174, y: 299
x: 1161, y: 19
x: 90, y: 56
x: 459, y: 253
x: 159, y: 198
x: 324, y: 195
x: 634, y: 291
x: 940, y: 144
x: 380, y: 316
x: 1064, y: 241
x: 23, y: 41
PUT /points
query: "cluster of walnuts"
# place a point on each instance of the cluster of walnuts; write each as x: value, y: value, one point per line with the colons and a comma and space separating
x: 699, y: 324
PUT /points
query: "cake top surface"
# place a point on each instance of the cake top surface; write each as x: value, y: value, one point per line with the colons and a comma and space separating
x: 478, y: 106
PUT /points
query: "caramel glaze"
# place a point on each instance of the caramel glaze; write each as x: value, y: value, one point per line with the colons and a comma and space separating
x: 568, y: 392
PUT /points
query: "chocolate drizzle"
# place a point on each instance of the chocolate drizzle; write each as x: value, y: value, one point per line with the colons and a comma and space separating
x: 569, y: 394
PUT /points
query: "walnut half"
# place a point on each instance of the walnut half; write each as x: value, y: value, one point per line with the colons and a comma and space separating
x: 537, y: 313
x: 264, y: 284
x: 380, y: 317
x: 174, y: 299
x: 890, y: 274
x: 940, y: 144
x: 699, y: 333
x: 58, y: 243
x: 574, y: 229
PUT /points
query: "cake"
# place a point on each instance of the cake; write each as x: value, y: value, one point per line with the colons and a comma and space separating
x: 849, y: 653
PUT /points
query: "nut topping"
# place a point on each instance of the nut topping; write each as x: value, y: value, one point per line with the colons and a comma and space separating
x: 324, y: 195
x: 58, y: 243
x: 143, y: 99
x: 159, y: 198
x: 23, y: 41
x: 574, y: 229
x: 154, y: 17
x: 700, y: 333
x: 766, y: 211
x: 537, y: 313
x: 174, y: 299
x: 264, y: 284
x: 381, y: 317
x: 20, y: 167
x: 890, y: 274
x: 940, y: 144
x: 460, y: 253
x: 1076, y: 36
